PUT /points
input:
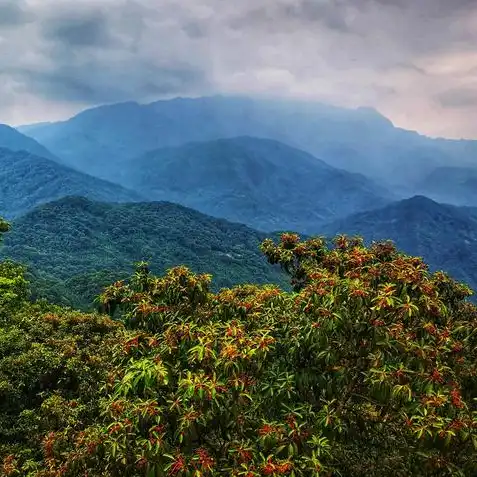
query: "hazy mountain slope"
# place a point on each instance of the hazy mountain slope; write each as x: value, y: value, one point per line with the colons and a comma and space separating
x: 27, y: 181
x: 262, y: 183
x: 12, y: 139
x: 452, y: 185
x: 360, y: 140
x: 88, y: 244
x: 445, y: 235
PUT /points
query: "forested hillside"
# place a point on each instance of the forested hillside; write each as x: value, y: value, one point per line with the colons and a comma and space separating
x: 367, y: 369
x: 262, y: 183
x: 75, y: 246
x: 27, y: 180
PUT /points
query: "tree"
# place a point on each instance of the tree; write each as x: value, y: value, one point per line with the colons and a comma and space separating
x: 367, y: 369
x: 4, y: 226
x: 53, y: 366
x: 13, y: 285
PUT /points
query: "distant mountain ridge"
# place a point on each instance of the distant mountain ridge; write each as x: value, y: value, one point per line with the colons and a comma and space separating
x: 453, y: 185
x: 360, y: 140
x: 27, y: 180
x: 74, y: 246
x: 259, y: 182
x: 444, y: 235
x: 14, y: 140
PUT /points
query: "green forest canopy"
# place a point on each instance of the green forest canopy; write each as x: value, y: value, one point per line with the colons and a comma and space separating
x: 367, y: 369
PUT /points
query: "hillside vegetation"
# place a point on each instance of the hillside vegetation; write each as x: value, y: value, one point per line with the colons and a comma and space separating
x: 262, y: 183
x: 27, y: 180
x: 366, y: 369
x: 75, y: 246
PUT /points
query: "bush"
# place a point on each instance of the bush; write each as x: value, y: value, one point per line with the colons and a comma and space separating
x: 367, y: 369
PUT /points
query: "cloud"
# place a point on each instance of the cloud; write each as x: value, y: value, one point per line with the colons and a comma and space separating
x: 13, y: 13
x: 458, y: 98
x: 94, y: 52
x: 409, y: 59
x: 87, y: 28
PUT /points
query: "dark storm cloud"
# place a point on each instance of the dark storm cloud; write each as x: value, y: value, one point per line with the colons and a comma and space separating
x: 331, y: 15
x: 92, y: 52
x: 428, y: 6
x: 195, y: 29
x: 87, y: 84
x: 399, y: 56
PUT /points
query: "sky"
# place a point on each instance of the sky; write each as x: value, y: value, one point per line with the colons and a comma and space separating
x: 415, y: 61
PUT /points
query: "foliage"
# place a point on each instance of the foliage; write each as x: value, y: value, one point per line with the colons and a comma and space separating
x: 367, y: 369
x: 14, y: 288
x: 4, y: 227
x: 13, y: 285
x: 53, y: 366
x: 75, y: 247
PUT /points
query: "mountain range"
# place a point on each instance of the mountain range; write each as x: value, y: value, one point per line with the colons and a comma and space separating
x: 357, y: 140
x: 117, y: 184
x: 262, y: 183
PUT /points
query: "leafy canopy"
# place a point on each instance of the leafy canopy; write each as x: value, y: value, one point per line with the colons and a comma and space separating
x: 366, y: 369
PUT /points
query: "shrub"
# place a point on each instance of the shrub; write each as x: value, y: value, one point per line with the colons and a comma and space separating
x: 367, y: 369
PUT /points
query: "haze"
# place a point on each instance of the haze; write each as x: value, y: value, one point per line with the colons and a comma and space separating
x: 414, y: 61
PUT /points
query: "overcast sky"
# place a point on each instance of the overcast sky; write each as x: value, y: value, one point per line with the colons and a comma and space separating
x: 413, y: 60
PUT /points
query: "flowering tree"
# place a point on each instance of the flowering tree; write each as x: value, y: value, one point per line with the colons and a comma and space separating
x: 367, y: 369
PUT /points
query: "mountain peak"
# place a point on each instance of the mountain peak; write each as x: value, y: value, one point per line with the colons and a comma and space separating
x: 375, y: 116
x: 420, y: 200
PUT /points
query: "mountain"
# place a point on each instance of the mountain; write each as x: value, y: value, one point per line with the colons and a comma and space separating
x: 451, y: 185
x: 444, y: 235
x: 262, y: 183
x: 12, y: 139
x: 27, y: 181
x: 75, y: 246
x: 358, y: 140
